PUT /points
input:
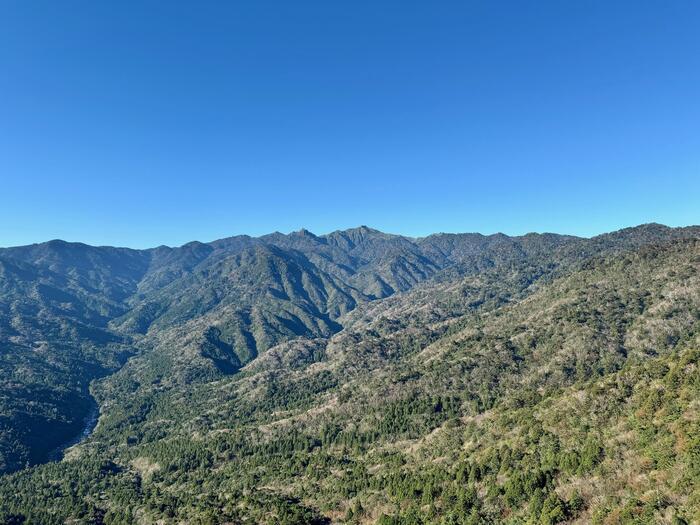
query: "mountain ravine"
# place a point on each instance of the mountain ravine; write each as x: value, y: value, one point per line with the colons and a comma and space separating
x: 355, y: 377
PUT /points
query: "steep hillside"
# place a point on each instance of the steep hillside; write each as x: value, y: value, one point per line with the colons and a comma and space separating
x: 70, y: 313
x: 535, y: 380
x: 53, y: 342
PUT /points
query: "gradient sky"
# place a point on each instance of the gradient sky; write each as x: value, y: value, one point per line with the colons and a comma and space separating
x: 146, y: 123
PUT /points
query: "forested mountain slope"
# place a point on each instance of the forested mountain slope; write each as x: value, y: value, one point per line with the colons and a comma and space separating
x: 53, y: 342
x: 70, y: 313
x: 538, y: 379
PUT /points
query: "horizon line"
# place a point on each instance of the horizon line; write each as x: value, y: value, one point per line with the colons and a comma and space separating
x: 326, y: 234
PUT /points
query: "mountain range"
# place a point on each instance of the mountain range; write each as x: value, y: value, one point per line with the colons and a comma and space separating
x: 353, y: 377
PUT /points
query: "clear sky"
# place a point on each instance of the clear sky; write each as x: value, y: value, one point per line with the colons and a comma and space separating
x: 145, y: 123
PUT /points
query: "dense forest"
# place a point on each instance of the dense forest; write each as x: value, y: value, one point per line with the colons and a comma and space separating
x: 356, y: 377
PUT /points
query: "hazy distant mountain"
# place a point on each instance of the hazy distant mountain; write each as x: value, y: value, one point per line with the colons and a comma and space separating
x: 386, y: 378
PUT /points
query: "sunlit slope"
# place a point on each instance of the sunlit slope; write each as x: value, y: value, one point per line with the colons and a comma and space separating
x: 500, y: 397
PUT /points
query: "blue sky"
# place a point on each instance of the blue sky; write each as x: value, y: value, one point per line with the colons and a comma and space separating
x: 146, y: 123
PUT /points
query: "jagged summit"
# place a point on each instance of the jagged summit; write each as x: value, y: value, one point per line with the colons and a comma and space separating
x: 357, y: 234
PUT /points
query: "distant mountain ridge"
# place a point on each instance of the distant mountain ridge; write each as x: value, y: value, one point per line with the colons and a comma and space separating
x: 89, y: 308
x: 353, y: 377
